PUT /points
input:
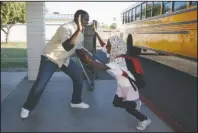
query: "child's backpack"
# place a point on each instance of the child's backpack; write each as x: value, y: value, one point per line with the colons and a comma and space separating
x: 135, y: 67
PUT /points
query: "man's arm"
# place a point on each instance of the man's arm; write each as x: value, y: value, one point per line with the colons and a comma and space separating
x: 69, y: 43
x: 87, y: 59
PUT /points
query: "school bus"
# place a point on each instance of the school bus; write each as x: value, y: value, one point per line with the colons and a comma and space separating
x: 167, y: 27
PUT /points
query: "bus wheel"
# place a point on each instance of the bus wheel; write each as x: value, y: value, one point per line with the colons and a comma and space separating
x: 130, y: 45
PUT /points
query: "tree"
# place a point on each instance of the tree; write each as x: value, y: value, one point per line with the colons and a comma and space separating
x: 12, y: 13
x: 113, y: 26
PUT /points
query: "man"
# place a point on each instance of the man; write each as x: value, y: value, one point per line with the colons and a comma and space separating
x: 56, y: 54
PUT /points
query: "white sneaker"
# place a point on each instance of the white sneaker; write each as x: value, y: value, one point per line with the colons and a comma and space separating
x: 24, y: 113
x: 139, y: 103
x: 80, y: 105
x: 142, y: 125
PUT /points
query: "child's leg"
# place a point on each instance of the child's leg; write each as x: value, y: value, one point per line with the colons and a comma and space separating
x: 138, y: 104
x: 117, y: 102
x: 131, y: 109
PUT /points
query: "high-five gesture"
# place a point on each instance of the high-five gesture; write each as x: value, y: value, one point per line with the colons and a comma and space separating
x: 81, y: 18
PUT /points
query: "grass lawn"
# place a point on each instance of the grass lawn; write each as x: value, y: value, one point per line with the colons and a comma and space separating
x: 14, y: 55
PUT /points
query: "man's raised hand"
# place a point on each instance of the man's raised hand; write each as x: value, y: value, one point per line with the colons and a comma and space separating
x: 79, y: 23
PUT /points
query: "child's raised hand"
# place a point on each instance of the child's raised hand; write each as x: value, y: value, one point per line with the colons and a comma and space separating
x: 94, y: 27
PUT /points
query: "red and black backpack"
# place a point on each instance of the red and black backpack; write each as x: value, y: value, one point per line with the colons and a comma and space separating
x: 135, y: 67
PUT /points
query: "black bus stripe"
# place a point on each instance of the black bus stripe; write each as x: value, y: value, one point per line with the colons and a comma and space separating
x: 171, y: 32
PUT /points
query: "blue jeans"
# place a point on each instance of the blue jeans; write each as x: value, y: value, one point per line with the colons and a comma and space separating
x: 46, y: 70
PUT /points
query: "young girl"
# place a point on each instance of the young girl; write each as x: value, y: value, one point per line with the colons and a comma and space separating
x: 127, y: 95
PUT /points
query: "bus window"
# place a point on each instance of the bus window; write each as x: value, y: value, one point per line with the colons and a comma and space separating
x: 129, y: 16
x: 126, y: 17
x: 156, y: 8
x: 192, y: 3
x: 179, y: 5
x: 166, y: 7
x: 143, y: 11
x: 138, y: 12
x: 123, y: 18
x: 133, y: 14
x: 149, y: 6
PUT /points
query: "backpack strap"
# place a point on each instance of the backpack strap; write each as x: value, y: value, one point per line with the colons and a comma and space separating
x: 129, y: 64
x: 136, y: 63
x: 130, y: 80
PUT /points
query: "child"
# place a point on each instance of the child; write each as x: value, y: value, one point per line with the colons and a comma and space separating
x: 127, y: 95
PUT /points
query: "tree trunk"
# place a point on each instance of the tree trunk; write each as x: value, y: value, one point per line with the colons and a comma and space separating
x: 6, y: 39
x: 7, y: 33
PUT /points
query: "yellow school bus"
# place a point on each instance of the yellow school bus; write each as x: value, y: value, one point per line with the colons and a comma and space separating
x: 168, y: 27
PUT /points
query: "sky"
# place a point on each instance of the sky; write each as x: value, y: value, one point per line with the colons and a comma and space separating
x: 100, y: 11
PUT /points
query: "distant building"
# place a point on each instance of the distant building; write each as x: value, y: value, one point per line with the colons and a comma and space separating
x: 53, y: 20
x: 57, y: 18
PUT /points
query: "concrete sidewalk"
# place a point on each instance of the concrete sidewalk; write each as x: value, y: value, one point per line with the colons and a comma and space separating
x: 54, y: 114
x: 9, y: 81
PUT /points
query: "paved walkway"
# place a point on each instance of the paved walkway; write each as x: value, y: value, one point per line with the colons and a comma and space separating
x: 9, y: 81
x: 54, y: 114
